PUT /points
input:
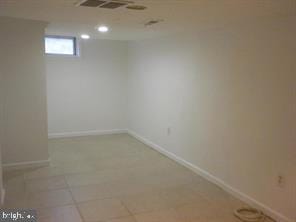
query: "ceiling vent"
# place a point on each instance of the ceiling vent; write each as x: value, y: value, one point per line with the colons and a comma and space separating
x: 113, y: 5
x: 153, y: 22
x: 136, y: 7
x: 92, y: 3
x: 109, y: 4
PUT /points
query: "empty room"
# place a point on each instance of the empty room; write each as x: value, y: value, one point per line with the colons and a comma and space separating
x: 148, y: 110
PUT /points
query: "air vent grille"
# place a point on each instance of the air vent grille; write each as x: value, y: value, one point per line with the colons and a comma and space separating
x: 92, y: 3
x: 110, y: 4
x: 153, y: 22
x: 113, y: 5
x: 136, y: 7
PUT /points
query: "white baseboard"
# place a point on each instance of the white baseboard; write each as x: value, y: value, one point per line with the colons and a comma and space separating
x: 86, y: 133
x: 2, y: 196
x: 233, y: 191
x: 23, y: 165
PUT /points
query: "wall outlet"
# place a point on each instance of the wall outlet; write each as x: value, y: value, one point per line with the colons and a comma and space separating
x: 281, y: 181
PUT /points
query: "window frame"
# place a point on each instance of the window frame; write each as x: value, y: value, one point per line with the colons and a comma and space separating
x: 74, y: 41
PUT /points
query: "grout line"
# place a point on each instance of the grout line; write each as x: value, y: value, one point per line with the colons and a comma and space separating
x: 122, y: 203
x: 74, y: 201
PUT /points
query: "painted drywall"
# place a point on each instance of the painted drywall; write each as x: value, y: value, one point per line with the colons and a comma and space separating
x: 25, y: 114
x: 87, y: 93
x: 228, y: 99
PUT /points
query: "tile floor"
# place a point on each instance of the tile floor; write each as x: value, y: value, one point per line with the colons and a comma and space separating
x: 115, y: 178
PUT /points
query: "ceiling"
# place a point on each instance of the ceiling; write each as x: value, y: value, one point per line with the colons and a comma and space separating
x: 67, y: 19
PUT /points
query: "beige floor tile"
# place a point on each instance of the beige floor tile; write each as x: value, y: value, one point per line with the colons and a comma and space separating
x: 59, y: 214
x: 77, y: 168
x: 51, y: 183
x: 14, y: 184
x: 43, y: 172
x: 227, y: 204
x: 180, y: 195
x: 207, y: 188
x: 200, y: 210
x: 98, y: 177
x: 168, y: 215
x: 161, y: 199
x: 218, y: 197
x: 158, y: 169
x: 226, y: 218
x: 144, y: 202
x: 128, y: 161
x: 15, y: 190
x: 91, y: 192
x: 123, y: 219
x: 118, y: 188
x: 67, y: 155
x: 167, y: 179
x: 50, y: 198
x: 11, y: 174
x: 18, y: 200
x: 100, y: 210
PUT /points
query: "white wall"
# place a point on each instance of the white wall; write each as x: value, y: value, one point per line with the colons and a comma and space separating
x: 228, y: 96
x: 88, y: 93
x: 23, y: 67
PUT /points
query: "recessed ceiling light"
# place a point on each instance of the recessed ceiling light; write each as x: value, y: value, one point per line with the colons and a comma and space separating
x: 85, y: 36
x: 103, y: 28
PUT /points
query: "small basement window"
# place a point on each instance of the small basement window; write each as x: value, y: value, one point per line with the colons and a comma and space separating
x: 60, y: 45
